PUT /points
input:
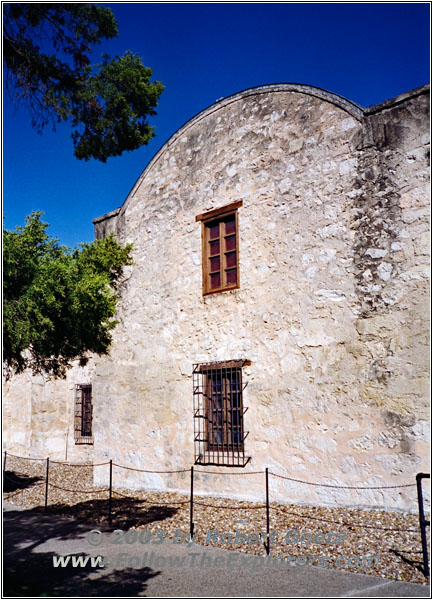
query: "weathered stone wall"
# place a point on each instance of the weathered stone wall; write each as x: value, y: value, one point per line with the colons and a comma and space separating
x: 106, y: 224
x: 331, y: 309
x: 326, y: 311
x: 392, y: 260
x: 38, y: 416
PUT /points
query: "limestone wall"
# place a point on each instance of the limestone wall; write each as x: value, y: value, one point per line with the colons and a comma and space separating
x: 393, y: 281
x: 38, y: 416
x: 331, y: 311
x: 331, y: 307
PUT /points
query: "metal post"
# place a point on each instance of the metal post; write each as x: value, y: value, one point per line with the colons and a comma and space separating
x: 268, y: 542
x: 46, y: 483
x: 422, y: 521
x: 4, y: 468
x: 111, y: 493
x: 191, y: 506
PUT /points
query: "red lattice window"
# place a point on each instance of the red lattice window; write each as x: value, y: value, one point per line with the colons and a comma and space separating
x: 220, y: 248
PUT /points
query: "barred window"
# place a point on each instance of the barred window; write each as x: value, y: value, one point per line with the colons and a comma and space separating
x: 220, y: 248
x: 83, y: 414
x: 219, y: 436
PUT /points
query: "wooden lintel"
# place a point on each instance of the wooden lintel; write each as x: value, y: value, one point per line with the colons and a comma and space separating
x: 216, y: 212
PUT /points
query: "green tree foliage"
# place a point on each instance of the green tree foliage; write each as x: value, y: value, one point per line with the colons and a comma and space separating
x: 46, y: 51
x: 58, y: 304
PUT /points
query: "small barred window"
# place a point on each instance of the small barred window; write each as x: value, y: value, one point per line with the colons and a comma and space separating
x: 219, y: 436
x: 83, y: 414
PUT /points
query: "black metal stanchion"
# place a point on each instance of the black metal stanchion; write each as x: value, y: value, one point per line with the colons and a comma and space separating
x: 268, y: 540
x: 191, y: 506
x: 111, y: 493
x: 4, y: 468
x: 46, y: 483
x: 422, y: 521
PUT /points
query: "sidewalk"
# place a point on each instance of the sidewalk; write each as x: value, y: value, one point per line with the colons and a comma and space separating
x: 32, y: 540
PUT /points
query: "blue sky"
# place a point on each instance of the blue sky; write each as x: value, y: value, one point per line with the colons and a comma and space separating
x: 367, y: 52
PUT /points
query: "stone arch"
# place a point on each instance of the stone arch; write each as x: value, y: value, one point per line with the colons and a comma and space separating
x: 351, y: 108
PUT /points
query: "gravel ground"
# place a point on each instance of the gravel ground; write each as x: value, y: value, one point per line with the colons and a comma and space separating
x: 391, y: 539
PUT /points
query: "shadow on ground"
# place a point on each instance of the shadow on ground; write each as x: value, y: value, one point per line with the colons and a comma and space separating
x: 417, y: 564
x: 126, y: 513
x: 29, y: 573
x: 14, y: 481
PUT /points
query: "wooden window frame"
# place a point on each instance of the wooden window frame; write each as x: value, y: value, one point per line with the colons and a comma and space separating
x: 83, y: 404
x: 213, y: 218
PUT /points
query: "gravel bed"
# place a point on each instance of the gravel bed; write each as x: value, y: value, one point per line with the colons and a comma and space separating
x: 373, y: 542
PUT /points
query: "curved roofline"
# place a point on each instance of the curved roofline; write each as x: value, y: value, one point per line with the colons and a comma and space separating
x: 353, y: 109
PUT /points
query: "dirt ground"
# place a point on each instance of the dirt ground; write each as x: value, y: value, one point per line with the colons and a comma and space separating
x: 373, y: 542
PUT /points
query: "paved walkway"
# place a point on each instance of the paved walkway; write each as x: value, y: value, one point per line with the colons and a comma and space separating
x: 33, y: 541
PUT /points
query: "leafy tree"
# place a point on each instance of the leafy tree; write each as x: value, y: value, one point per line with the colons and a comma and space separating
x: 46, y: 54
x: 58, y: 304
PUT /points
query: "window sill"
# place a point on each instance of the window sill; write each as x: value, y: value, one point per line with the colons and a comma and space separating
x: 84, y: 440
x: 228, y: 460
x: 220, y: 290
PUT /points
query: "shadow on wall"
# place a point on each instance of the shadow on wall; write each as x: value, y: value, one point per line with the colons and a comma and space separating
x: 30, y: 573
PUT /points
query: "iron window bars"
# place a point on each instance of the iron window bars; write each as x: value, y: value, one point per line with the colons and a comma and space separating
x: 83, y: 414
x: 219, y: 436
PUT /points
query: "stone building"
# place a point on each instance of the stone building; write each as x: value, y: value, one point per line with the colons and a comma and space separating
x: 276, y: 312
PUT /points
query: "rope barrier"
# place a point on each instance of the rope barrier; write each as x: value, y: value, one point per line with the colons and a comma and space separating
x: 274, y: 508
x: 327, y: 485
x: 219, y: 473
x: 24, y: 457
x: 68, y: 464
x: 344, y: 487
x: 145, y: 471
x: 23, y: 485
x: 229, y: 507
x: 59, y: 462
x: 77, y: 491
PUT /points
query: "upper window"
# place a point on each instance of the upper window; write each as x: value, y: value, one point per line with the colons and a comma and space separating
x: 83, y: 414
x: 220, y: 243
x: 219, y: 413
